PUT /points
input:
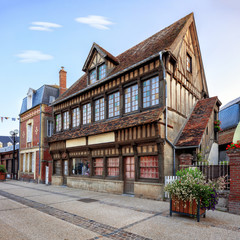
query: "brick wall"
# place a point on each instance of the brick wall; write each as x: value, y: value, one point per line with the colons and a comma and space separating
x: 234, y: 196
x: 185, y: 160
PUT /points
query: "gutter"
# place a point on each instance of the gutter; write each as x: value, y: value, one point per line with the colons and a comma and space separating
x: 166, y: 117
x: 40, y: 138
x: 106, y: 79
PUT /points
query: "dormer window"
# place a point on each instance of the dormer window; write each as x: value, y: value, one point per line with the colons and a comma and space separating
x: 93, y: 76
x: 102, y: 71
x: 51, y: 99
x: 29, y: 101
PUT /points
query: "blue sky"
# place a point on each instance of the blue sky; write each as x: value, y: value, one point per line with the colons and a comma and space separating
x: 38, y: 37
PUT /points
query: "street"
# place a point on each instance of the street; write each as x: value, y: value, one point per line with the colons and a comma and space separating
x: 37, y: 211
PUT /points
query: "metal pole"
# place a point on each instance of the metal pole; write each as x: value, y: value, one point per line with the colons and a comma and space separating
x: 13, y: 166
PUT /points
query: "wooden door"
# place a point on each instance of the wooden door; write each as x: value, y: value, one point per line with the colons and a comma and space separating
x: 65, y: 171
x: 129, y: 175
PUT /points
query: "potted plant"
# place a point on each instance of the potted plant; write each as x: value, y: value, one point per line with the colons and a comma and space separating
x: 217, y: 124
x: 2, y: 173
x: 191, y: 195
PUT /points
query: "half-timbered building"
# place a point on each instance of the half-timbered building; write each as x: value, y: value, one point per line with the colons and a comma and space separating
x: 121, y: 127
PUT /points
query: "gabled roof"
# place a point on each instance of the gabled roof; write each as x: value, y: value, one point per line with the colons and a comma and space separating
x: 6, y: 139
x: 194, y: 129
x: 102, y: 52
x: 226, y: 137
x: 150, y: 47
x: 145, y: 117
x: 40, y: 96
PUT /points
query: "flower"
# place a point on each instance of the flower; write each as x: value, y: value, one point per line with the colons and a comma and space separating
x: 191, y: 185
x: 233, y: 146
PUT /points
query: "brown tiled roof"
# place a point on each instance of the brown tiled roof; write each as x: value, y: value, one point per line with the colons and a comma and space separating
x: 226, y: 137
x: 110, y: 125
x: 193, y: 131
x: 152, y: 45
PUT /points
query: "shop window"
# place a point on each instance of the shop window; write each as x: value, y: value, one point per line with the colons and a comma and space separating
x: 87, y: 113
x: 66, y: 120
x: 151, y: 92
x: 131, y: 98
x: 114, y: 104
x: 80, y: 166
x: 113, y: 167
x: 149, y: 167
x: 98, y: 166
x: 58, y: 123
x: 99, y: 109
x: 75, y: 117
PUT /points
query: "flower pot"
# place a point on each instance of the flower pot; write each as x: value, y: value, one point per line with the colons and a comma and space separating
x: 187, y: 208
x: 2, y: 176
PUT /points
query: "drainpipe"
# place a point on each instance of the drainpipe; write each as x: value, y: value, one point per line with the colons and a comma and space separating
x: 166, y: 111
x: 40, y: 130
x: 166, y: 116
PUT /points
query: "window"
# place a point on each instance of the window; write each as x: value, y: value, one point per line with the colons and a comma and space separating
x: 93, y: 76
x: 33, y: 162
x: 29, y: 162
x: 1, y: 144
x: 51, y: 99
x: 29, y: 133
x: 9, y: 144
x: 24, y: 162
x: 113, y: 167
x: 99, y: 109
x: 189, y: 63
x: 80, y: 166
x: 87, y: 113
x: 29, y: 101
x: 58, y: 123
x: 98, y: 166
x: 114, y: 104
x: 151, y: 92
x: 49, y: 128
x: 131, y: 98
x: 66, y: 120
x: 149, y: 167
x: 75, y: 117
x: 102, y: 71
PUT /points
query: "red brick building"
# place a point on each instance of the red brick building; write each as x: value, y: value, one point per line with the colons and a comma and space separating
x: 36, y: 125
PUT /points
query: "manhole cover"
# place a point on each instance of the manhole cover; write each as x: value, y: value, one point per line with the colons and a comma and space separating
x: 87, y: 200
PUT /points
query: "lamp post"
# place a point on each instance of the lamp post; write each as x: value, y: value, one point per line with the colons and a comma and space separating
x: 13, y: 134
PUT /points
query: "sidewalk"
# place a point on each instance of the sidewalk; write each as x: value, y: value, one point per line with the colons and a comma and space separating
x: 37, y: 211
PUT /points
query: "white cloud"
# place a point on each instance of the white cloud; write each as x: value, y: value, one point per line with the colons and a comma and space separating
x: 31, y: 56
x: 98, y: 22
x: 44, y: 26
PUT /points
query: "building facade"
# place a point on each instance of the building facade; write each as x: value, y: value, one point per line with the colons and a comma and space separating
x: 36, y: 125
x: 120, y: 128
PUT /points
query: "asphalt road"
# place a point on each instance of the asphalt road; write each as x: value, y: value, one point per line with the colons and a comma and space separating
x: 36, y: 211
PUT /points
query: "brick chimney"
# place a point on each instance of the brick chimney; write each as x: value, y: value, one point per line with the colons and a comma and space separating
x: 62, y: 81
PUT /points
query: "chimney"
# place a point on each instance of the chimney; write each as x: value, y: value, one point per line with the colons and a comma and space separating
x: 62, y: 81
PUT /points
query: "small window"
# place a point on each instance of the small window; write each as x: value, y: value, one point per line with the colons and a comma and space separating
x: 87, y: 113
x: 114, y: 104
x: 113, y: 167
x: 98, y: 166
x: 151, y: 92
x: 93, y: 76
x: 29, y: 101
x: 75, y: 117
x: 149, y: 167
x: 102, y: 71
x: 131, y: 98
x: 189, y: 63
x: 66, y: 120
x: 9, y: 144
x: 49, y: 128
x: 58, y: 123
x: 99, y: 109
x: 1, y: 144
x: 29, y: 133
x: 51, y: 99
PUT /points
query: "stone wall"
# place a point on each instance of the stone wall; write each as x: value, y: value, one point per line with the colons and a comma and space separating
x: 234, y: 196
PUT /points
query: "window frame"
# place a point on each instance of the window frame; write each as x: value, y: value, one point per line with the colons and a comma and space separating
x: 151, y: 94
x: 29, y: 133
x: 131, y: 98
x: 77, y: 117
x: 49, y: 128
x: 87, y: 113
x: 188, y: 63
x: 58, y: 123
x: 96, y: 69
x: 149, y: 167
x: 113, y: 166
x: 119, y: 105
x: 66, y: 120
x: 100, y: 113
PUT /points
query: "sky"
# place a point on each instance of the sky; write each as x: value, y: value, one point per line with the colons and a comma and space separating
x: 38, y: 37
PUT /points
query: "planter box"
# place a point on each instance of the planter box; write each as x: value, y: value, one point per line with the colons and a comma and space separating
x: 187, y: 208
x: 2, y: 176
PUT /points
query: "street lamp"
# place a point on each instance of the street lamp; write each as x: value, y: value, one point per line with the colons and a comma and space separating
x: 13, y: 134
